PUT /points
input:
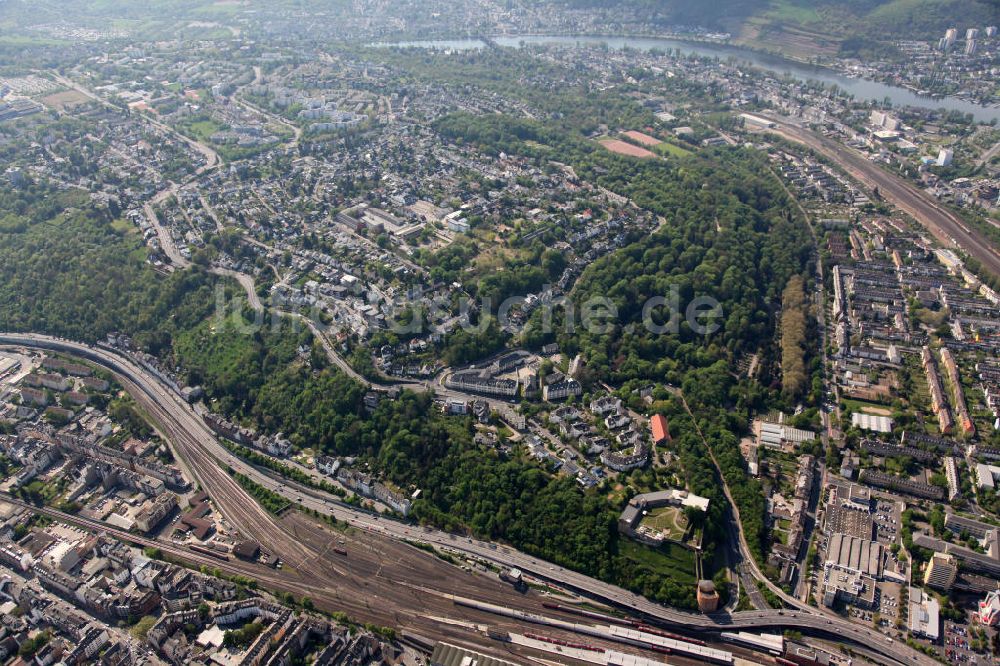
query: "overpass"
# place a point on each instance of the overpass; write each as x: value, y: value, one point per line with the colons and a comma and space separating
x: 198, y: 448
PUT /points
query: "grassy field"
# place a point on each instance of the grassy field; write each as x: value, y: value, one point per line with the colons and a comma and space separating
x: 670, y: 560
x: 203, y: 129
x: 124, y: 227
x: 669, y: 520
x: 47, y: 491
x: 671, y: 149
x: 792, y: 12
x: 920, y: 396
x: 217, y: 354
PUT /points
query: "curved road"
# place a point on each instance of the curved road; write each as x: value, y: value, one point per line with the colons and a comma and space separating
x: 207, y: 457
x: 736, y: 526
x: 245, y: 281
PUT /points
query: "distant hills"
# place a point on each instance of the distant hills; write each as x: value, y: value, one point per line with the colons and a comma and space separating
x: 808, y: 28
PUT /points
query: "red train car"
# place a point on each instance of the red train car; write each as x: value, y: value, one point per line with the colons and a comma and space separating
x: 666, y: 634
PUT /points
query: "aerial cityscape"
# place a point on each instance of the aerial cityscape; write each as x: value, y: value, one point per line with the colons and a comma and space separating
x: 500, y: 332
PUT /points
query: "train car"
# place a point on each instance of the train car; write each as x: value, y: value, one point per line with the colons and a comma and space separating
x: 563, y: 643
x: 497, y: 633
x: 666, y: 634
x: 656, y: 643
x: 588, y: 614
x: 418, y: 642
x: 773, y: 644
x: 211, y: 553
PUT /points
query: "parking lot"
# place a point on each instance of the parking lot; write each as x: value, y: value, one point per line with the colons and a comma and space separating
x: 889, y: 603
x: 887, y: 519
x: 887, y: 606
x: 957, y: 647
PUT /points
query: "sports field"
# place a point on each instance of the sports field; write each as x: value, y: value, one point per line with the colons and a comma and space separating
x: 642, y: 139
x: 622, y: 148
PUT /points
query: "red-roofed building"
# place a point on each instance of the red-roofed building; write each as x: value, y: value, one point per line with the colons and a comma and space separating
x: 661, y: 433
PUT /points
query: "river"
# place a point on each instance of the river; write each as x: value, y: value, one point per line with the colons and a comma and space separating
x: 861, y: 89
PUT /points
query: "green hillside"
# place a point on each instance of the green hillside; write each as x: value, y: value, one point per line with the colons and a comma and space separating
x: 811, y: 28
x: 807, y: 28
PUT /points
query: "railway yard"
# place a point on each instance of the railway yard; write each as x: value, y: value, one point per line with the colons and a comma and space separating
x: 346, y: 349
x: 454, y: 603
x: 366, y: 567
x: 354, y: 570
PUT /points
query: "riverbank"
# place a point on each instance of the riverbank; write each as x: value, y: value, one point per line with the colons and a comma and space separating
x: 859, y: 88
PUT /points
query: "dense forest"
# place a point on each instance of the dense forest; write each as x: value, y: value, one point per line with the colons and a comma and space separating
x: 67, y: 268
x: 729, y: 235
x: 793, y: 336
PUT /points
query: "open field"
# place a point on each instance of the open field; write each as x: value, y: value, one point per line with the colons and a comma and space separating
x: 641, y: 138
x: 60, y: 101
x: 124, y: 227
x: 204, y: 129
x: 670, y: 560
x: 622, y: 148
x: 768, y: 34
x: 672, y: 149
x: 867, y: 407
x: 785, y: 11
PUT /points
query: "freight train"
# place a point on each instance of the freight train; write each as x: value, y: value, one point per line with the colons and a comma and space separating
x: 626, y: 622
x: 561, y: 642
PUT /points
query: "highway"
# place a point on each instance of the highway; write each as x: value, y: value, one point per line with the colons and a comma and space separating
x: 946, y: 226
x: 207, y: 459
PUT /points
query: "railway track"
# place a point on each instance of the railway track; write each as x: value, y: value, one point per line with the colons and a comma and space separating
x: 194, y: 444
x: 945, y: 225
